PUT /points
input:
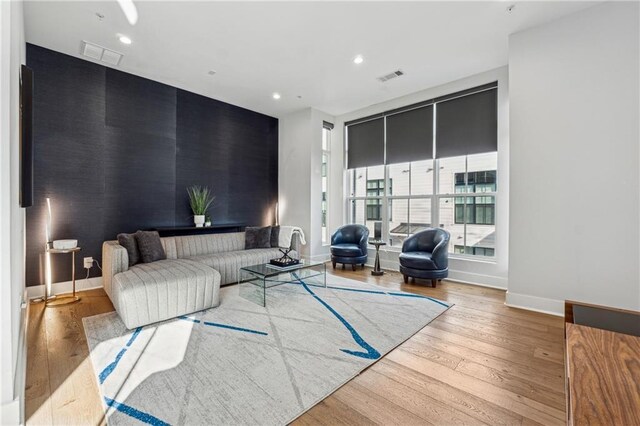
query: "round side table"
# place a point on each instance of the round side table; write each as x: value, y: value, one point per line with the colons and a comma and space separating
x: 376, y: 268
x: 65, y: 299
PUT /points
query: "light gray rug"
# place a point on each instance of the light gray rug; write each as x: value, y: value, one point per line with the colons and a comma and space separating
x: 241, y: 363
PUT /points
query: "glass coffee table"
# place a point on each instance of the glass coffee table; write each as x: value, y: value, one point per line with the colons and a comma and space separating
x: 254, y: 280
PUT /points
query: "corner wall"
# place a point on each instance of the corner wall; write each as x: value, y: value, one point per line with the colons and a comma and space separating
x: 574, y: 205
x: 12, y: 290
x: 300, y: 177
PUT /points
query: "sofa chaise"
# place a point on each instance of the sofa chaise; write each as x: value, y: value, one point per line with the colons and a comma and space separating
x: 187, y: 281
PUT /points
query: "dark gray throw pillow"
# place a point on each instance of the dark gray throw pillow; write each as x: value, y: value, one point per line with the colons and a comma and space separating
x: 150, y: 246
x: 257, y: 237
x: 275, y: 236
x: 129, y: 242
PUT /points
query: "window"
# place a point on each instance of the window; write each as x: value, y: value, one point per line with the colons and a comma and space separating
x: 412, y: 205
x: 469, y: 219
x: 375, y: 190
x: 476, y: 251
x: 479, y: 210
x: 326, y: 144
x: 441, y: 156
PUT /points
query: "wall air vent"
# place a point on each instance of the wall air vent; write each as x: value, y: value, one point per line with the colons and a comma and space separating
x: 99, y: 53
x: 390, y: 76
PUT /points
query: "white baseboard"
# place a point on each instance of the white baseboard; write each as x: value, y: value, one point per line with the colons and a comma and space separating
x: 482, y: 280
x: 10, y: 413
x: 535, y: 303
x: 37, y: 291
x: 457, y: 276
x: 325, y: 257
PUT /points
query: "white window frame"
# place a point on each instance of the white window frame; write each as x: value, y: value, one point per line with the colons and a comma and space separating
x: 326, y: 151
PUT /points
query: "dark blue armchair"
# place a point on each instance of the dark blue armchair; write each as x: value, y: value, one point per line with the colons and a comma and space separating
x: 349, y: 245
x: 424, y: 255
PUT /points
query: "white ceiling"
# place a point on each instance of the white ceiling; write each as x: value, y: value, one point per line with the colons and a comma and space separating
x: 300, y: 49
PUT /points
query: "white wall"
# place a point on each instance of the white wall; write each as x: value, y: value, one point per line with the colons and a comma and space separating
x: 489, y: 273
x: 574, y: 207
x: 12, y: 292
x: 300, y: 174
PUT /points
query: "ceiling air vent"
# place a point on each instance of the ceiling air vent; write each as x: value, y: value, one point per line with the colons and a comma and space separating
x: 390, y: 76
x: 99, y: 53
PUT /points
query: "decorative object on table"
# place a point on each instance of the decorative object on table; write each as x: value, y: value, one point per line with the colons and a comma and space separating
x: 207, y: 221
x: 377, y: 231
x: 237, y: 347
x: 424, y: 255
x: 200, y: 199
x: 150, y: 246
x: 285, y: 260
x: 377, y: 271
x: 349, y: 245
x: 256, y: 237
x: 65, y: 244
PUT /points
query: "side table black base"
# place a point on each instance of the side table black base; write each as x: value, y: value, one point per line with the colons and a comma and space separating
x: 377, y: 271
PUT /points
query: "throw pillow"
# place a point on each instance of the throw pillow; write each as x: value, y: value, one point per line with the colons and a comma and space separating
x: 275, y: 236
x: 150, y: 246
x: 257, y: 237
x: 128, y: 241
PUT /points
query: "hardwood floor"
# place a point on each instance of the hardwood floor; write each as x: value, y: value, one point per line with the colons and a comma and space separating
x: 480, y: 362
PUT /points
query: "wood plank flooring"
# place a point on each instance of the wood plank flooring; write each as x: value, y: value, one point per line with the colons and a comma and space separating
x: 480, y: 362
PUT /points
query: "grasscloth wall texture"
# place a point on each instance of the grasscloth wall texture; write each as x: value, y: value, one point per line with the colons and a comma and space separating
x: 116, y: 152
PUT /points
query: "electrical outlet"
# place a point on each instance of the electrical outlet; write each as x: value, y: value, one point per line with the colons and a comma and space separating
x: 88, y: 262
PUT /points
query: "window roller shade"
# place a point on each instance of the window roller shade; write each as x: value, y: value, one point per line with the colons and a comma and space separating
x: 410, y: 135
x: 467, y: 125
x: 366, y: 144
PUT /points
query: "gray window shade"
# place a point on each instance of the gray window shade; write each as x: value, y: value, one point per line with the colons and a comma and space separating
x: 410, y: 135
x: 467, y: 125
x: 366, y: 144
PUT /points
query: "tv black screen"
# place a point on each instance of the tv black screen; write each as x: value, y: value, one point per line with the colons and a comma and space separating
x: 26, y: 136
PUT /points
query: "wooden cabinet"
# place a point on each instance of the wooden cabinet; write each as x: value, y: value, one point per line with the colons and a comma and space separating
x: 602, y: 365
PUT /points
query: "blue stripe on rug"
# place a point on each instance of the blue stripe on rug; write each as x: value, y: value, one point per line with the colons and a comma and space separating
x: 370, y: 353
x: 136, y: 414
x: 112, y: 366
x: 134, y: 336
x: 439, y: 302
x: 357, y: 290
x: 232, y: 327
x: 197, y: 321
x: 391, y: 293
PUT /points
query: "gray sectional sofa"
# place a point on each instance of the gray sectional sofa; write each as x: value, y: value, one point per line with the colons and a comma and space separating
x: 187, y: 281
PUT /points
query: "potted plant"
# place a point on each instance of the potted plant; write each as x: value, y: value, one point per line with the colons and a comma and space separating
x: 207, y: 220
x: 200, y: 199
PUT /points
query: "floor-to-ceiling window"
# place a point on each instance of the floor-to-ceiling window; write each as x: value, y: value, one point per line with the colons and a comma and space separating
x: 326, y: 160
x: 411, y: 166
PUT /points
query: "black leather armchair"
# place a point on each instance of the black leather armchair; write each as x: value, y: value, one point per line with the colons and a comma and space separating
x: 424, y: 255
x: 349, y: 245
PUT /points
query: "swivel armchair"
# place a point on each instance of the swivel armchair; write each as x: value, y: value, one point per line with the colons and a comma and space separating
x: 349, y: 246
x: 424, y: 255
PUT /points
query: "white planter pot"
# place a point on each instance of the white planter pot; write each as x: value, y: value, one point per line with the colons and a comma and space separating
x: 198, y: 219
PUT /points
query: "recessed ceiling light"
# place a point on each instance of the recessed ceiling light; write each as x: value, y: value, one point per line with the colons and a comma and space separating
x: 358, y: 60
x: 124, y: 40
x: 212, y: 72
x: 276, y: 96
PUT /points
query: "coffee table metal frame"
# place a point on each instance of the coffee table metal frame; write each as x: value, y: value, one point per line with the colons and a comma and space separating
x: 264, y: 276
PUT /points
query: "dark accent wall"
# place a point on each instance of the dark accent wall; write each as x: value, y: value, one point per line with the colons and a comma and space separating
x: 116, y: 152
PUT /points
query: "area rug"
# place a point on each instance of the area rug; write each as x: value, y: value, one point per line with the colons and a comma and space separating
x: 241, y: 363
